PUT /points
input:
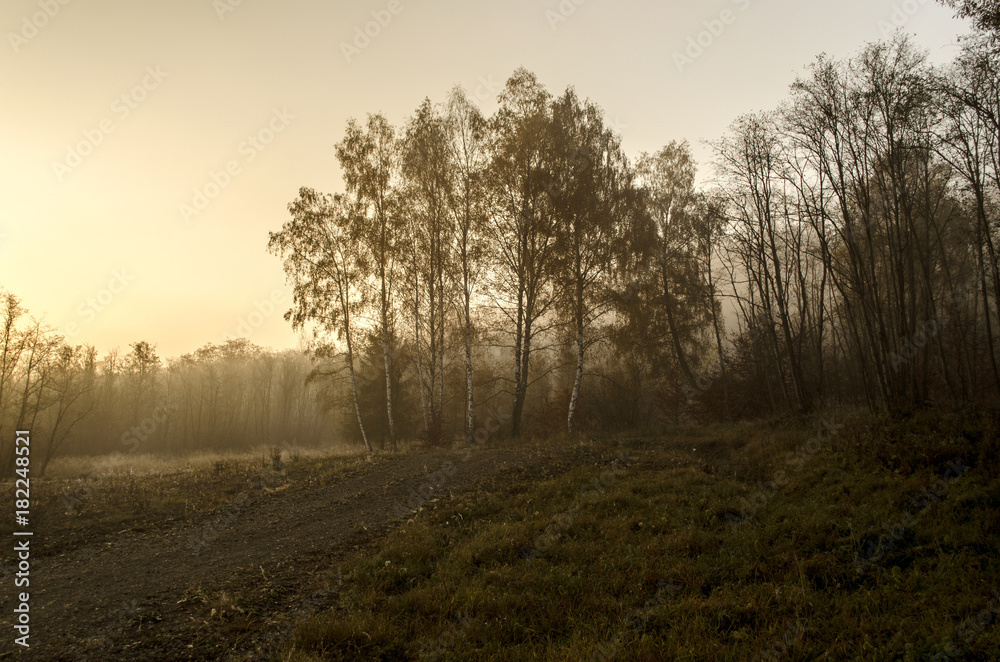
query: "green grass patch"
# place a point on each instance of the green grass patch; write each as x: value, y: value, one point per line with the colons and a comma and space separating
x: 739, y: 543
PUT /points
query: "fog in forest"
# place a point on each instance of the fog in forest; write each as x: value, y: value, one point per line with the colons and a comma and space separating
x: 519, y: 263
x: 411, y: 264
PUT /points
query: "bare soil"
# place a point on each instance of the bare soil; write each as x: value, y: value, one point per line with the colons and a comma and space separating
x: 265, y: 564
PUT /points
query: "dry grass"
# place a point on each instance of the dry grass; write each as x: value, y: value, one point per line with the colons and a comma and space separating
x: 164, y: 465
x: 644, y: 552
x: 88, y: 500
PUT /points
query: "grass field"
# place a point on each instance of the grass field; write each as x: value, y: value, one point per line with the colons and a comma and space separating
x: 837, y: 538
x: 844, y: 540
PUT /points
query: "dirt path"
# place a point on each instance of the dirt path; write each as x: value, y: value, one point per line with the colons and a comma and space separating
x: 150, y: 596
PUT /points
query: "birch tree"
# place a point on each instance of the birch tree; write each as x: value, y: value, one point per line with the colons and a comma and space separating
x: 668, y: 180
x: 522, y: 225
x: 324, y: 264
x: 429, y: 188
x: 467, y: 150
x: 591, y: 197
x: 370, y: 161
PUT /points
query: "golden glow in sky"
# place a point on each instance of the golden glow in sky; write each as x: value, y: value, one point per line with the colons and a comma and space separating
x: 149, y: 148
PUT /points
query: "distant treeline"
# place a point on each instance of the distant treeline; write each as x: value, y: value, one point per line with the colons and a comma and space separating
x: 232, y: 396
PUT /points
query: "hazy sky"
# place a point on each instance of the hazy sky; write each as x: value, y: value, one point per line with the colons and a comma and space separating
x: 117, y: 116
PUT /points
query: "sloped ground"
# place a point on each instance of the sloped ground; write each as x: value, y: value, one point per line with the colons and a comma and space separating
x: 229, y: 586
x: 791, y: 541
x: 873, y: 540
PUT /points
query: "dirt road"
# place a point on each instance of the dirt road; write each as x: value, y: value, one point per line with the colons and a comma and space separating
x: 182, y: 595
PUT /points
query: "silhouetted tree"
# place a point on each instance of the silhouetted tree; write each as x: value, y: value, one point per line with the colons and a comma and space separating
x: 592, y: 199
x: 325, y: 265
x: 522, y: 223
x: 370, y: 161
x: 467, y: 146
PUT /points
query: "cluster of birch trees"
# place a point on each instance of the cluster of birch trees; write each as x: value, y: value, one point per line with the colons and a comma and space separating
x: 457, y: 232
x: 844, y: 252
x: 42, y: 381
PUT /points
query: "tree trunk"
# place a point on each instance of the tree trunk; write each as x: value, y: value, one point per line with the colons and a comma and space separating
x: 469, y: 396
x: 519, y: 350
x: 668, y: 301
x: 354, y: 391
x: 388, y: 392
x: 578, y: 379
x: 419, y: 349
x: 718, y: 343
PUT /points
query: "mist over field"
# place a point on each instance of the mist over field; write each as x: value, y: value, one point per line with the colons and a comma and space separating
x: 366, y: 333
